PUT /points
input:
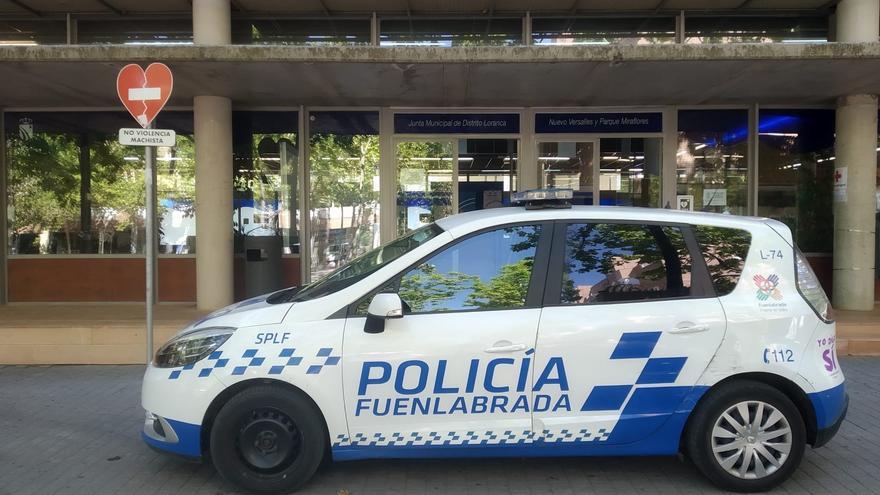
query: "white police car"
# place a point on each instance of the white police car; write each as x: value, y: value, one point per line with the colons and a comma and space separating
x: 519, y: 332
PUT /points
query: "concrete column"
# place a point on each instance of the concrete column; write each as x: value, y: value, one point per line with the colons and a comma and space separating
x: 211, y: 22
x: 212, y: 117
x: 387, y: 177
x: 212, y: 120
x: 858, y: 21
x: 854, y: 214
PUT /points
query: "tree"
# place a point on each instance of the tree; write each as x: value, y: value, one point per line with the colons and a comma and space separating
x: 44, y: 183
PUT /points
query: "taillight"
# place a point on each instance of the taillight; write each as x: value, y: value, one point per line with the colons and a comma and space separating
x: 809, y: 287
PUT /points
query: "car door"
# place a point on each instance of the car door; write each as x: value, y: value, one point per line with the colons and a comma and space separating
x: 455, y: 369
x: 630, y: 314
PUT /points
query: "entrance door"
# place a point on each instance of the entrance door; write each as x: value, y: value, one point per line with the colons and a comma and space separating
x: 570, y: 164
x: 425, y: 180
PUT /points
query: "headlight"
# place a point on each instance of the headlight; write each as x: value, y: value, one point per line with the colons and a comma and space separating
x: 190, y: 347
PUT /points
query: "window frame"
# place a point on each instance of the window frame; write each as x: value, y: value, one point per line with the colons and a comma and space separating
x: 701, y: 284
x: 537, y: 282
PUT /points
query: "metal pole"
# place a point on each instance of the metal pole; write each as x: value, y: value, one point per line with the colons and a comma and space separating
x: 150, y: 246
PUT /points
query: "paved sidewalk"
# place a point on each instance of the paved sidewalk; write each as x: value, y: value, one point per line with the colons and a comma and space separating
x: 76, y: 429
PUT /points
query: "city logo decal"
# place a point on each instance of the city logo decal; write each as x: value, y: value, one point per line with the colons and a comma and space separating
x: 768, y: 287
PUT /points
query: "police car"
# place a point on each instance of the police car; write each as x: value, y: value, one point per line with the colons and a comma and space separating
x: 536, y: 330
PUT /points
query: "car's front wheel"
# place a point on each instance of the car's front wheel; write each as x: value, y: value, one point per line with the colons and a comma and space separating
x: 746, y: 436
x: 267, y: 439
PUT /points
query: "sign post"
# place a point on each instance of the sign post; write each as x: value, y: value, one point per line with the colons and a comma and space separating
x: 144, y: 93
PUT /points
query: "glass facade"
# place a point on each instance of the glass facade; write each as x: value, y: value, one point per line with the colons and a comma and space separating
x: 568, y: 165
x: 343, y: 187
x: 310, y: 32
x: 630, y: 171
x: 134, y: 32
x: 603, y: 31
x: 251, y: 28
x: 756, y: 29
x: 424, y: 182
x: 266, y: 187
x: 73, y: 189
x: 32, y: 32
x: 795, y: 173
x: 451, y: 32
x: 487, y: 173
x: 711, y: 161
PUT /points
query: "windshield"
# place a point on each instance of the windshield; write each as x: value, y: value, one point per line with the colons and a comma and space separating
x: 368, y: 263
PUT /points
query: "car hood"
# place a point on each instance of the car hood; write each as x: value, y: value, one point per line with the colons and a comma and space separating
x: 250, y: 312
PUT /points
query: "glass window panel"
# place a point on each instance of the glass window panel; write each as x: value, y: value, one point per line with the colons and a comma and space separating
x: 265, y: 177
x: 603, y: 31
x: 31, y: 32
x: 139, y: 31
x: 712, y: 160
x: 74, y: 189
x: 487, y: 271
x: 756, y: 29
x: 486, y: 173
x: 450, y: 32
x: 615, y: 263
x: 795, y: 173
x: 301, y: 31
x: 629, y: 171
x: 344, y: 187
x: 568, y: 165
x: 877, y: 220
x: 424, y: 183
x: 725, y: 252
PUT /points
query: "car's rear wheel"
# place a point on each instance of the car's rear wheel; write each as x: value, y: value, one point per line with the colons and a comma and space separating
x: 268, y: 439
x: 746, y: 436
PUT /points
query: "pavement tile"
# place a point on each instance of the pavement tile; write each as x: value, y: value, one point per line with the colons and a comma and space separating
x: 76, y: 429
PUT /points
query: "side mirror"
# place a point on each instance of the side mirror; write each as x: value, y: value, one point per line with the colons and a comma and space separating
x: 384, y: 305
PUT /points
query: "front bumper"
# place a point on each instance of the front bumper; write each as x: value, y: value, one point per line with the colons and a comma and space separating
x: 175, y: 437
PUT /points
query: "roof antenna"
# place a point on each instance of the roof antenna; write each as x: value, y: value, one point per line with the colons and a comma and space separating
x: 668, y: 206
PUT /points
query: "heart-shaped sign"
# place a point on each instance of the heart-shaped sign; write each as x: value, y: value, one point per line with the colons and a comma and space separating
x: 144, y: 92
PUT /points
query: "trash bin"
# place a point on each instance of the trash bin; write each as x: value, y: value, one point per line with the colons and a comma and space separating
x: 262, y: 264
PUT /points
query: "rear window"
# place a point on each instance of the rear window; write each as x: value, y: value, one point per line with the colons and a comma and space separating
x: 725, y: 252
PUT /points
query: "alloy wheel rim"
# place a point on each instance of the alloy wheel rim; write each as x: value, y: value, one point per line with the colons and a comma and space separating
x: 751, y: 440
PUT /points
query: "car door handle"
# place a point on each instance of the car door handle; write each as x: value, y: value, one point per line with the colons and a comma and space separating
x: 505, y: 346
x: 688, y: 327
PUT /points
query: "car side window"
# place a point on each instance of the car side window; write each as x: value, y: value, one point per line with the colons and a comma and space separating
x: 606, y: 262
x: 491, y: 270
x: 725, y: 252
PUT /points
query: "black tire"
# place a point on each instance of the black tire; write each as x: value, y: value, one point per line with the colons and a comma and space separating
x: 699, y: 436
x: 268, y: 439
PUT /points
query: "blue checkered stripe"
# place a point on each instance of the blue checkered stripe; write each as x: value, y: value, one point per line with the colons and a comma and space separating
x: 654, y: 371
x: 214, y: 361
x: 459, y: 438
x: 267, y: 364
